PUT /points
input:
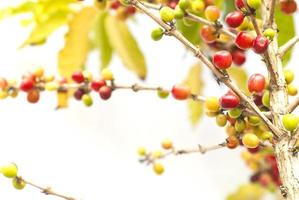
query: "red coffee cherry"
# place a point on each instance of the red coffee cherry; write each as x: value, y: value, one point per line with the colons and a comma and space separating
x: 27, y: 84
x: 180, y: 92
x: 260, y: 44
x: 288, y: 6
x: 105, y: 92
x: 239, y: 4
x: 256, y: 83
x: 97, y: 84
x: 79, y: 93
x: 208, y: 34
x: 222, y: 59
x: 229, y: 101
x: 239, y: 57
x: 244, y: 40
x: 78, y: 77
x: 234, y: 19
x: 33, y: 96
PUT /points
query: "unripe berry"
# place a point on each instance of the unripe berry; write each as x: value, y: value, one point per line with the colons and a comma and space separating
x: 167, y: 144
x: 254, y: 4
x: 33, y: 96
x: 178, y: 13
x: 18, y: 183
x: 267, y: 135
x: 107, y: 74
x: 239, y: 57
x: 222, y: 59
x: 157, y: 34
x: 208, y: 34
x: 212, y: 13
x: 51, y: 86
x: 250, y: 140
x: 10, y: 170
x: 256, y: 83
x: 184, y: 4
x: 180, y: 92
x: 97, y: 84
x: 141, y: 151
x: 292, y: 90
x: 78, y: 77
x: 158, y: 168
x: 235, y: 113
x: 244, y: 40
x: 266, y: 99
x: 288, y: 75
x: 232, y: 142
x: 221, y: 120
x: 234, y: 19
x: 212, y: 104
x: 38, y: 72
x: 269, y: 33
x: 167, y: 14
x: 240, y: 125
x: 87, y: 100
x: 260, y: 44
x: 197, y: 6
x: 254, y: 120
x: 163, y: 94
x: 87, y: 75
x: 157, y: 154
x: 105, y: 92
x: 4, y: 94
x: 290, y: 122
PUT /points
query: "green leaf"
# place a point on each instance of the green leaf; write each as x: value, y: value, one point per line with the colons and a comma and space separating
x: 74, y: 53
x: 229, y: 6
x: 240, y: 76
x: 125, y: 45
x: 190, y: 32
x: 194, y: 80
x: 248, y: 192
x: 102, y: 40
x: 286, y: 27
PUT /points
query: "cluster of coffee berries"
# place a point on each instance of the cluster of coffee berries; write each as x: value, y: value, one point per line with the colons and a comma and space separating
x: 121, y: 11
x: 264, y: 167
x: 11, y: 171
x: 152, y: 158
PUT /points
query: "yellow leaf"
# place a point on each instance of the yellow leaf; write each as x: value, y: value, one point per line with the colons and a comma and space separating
x: 62, y: 99
x: 125, y: 46
x: 74, y: 53
x: 248, y: 192
x: 240, y: 76
x: 194, y: 80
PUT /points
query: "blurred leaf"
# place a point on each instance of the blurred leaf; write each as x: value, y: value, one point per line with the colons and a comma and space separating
x: 125, y: 45
x: 248, y: 192
x: 102, y: 40
x: 62, y: 99
x: 74, y: 53
x: 240, y: 76
x: 190, y: 32
x: 229, y: 6
x: 286, y: 27
x: 194, y: 80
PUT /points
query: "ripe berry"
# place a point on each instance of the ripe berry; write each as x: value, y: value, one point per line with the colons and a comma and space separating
x: 212, y: 104
x: 27, y: 84
x: 180, y: 92
x: 212, y: 13
x: 288, y: 75
x: 115, y: 5
x: 234, y: 19
x: 292, y: 90
x: 208, y: 34
x: 33, y: 96
x: 79, y: 93
x: 10, y: 170
x: 235, y: 113
x: 107, y: 74
x: 239, y: 57
x: 158, y: 168
x: 239, y: 4
x: 269, y: 33
x: 157, y: 34
x: 18, y: 183
x: 260, y: 44
x: 167, y: 14
x: 222, y: 59
x: 172, y: 4
x: 105, y: 92
x: 87, y: 100
x: 229, y: 101
x: 256, y: 83
x: 250, y: 140
x: 232, y: 142
x: 221, y: 120
x: 78, y: 77
x: 167, y: 144
x: 3, y: 83
x: 290, y: 122
x: 97, y: 84
x: 131, y: 10
x: 288, y: 6
x: 254, y: 4
x: 244, y: 40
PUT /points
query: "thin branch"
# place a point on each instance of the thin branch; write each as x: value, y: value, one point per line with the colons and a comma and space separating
x: 195, y: 18
x: 46, y: 190
x: 292, y: 106
x: 222, y: 76
x: 288, y: 46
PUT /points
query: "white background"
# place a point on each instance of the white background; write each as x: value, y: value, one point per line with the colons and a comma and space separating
x: 90, y: 153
